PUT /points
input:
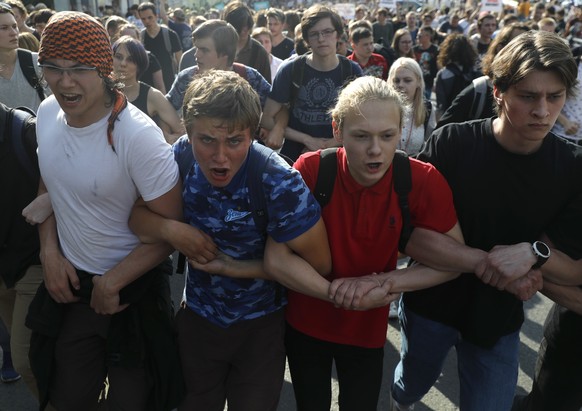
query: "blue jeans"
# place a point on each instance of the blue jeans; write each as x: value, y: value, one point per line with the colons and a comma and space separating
x: 488, y: 377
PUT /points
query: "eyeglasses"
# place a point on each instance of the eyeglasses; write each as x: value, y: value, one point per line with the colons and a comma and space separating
x: 314, y: 35
x: 76, y: 72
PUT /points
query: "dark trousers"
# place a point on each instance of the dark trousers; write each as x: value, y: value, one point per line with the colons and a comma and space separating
x: 243, y: 364
x: 80, y: 366
x: 359, y: 372
x: 557, y: 384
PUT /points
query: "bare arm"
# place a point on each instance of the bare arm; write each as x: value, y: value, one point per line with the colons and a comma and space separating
x: 301, y: 263
x: 569, y: 297
x: 151, y: 227
x: 158, y: 104
x: 349, y: 292
x: 446, y: 252
x: 158, y: 80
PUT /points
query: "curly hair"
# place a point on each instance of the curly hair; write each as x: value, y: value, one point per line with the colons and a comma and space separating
x: 457, y: 49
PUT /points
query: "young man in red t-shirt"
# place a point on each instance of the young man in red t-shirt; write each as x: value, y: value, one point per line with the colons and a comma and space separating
x: 363, y: 221
x: 371, y: 63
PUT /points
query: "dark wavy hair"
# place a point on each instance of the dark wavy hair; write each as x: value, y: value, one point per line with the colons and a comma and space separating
x: 457, y: 49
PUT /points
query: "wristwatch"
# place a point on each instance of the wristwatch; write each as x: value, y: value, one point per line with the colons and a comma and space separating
x: 542, y: 253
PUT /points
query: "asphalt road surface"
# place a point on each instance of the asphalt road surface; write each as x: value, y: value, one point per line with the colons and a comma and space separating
x: 442, y: 397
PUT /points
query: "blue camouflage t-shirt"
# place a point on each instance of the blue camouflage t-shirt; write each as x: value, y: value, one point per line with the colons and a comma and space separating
x: 225, y: 215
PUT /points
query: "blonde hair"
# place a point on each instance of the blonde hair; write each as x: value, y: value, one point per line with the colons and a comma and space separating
x: 362, y: 90
x: 418, y: 108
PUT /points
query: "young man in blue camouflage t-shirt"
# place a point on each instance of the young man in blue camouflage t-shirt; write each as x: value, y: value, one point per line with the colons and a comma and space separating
x: 231, y: 325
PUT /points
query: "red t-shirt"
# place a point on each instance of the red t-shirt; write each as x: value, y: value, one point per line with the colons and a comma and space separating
x: 363, y: 226
x: 376, y: 66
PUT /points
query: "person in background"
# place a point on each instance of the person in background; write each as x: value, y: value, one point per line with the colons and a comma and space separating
x: 153, y: 39
x: 372, y: 64
x: 263, y: 35
x: 153, y: 74
x: 426, y: 54
x: 382, y: 27
x: 402, y: 43
x: 248, y: 51
x: 28, y: 41
x: 130, y: 60
x: 21, y: 15
x: 282, y: 45
x: 457, y: 58
x: 177, y: 22
x: 419, y: 122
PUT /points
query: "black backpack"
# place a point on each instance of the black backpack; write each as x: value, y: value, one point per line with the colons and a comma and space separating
x: 17, y: 121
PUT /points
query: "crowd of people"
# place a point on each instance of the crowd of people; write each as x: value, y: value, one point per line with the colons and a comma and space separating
x: 293, y: 158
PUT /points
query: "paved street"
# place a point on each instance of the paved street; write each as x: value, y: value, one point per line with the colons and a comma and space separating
x: 442, y: 397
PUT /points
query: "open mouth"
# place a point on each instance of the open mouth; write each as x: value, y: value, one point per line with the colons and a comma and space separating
x: 373, y: 166
x: 71, y: 98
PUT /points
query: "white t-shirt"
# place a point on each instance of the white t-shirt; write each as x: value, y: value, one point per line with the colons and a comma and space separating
x: 17, y: 91
x: 93, y: 188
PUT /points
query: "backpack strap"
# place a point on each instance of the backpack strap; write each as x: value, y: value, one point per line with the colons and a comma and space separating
x: 18, y: 118
x: 480, y: 86
x: 185, y: 160
x: 166, y: 36
x: 402, y: 178
x: 347, y: 70
x: 428, y: 107
x: 297, y: 69
x: 259, y: 156
x: 27, y: 67
x: 326, y: 176
x: 240, y: 69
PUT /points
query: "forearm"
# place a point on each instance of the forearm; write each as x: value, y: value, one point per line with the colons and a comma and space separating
x: 294, y: 135
x: 151, y: 227
x: 293, y: 271
x: 142, y: 259
x: 562, y: 270
x: 414, y: 278
x: 443, y: 252
x: 566, y: 296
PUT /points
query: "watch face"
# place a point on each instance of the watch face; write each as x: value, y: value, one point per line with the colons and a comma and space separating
x: 541, y: 249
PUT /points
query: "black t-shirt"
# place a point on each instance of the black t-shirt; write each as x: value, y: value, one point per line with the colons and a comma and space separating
x: 501, y: 198
x: 165, y: 57
x: 148, y: 75
x: 283, y: 50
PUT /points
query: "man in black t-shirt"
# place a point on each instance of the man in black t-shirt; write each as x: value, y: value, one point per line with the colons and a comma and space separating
x: 282, y: 45
x: 511, y: 178
x: 161, y: 41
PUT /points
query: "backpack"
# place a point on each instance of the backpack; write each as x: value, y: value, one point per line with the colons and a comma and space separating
x: 402, y: 185
x: 27, y: 67
x: 480, y: 86
x: 461, y: 80
x: 298, y: 67
x: 16, y: 123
